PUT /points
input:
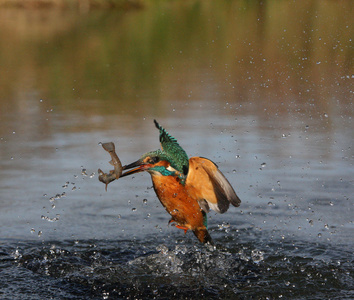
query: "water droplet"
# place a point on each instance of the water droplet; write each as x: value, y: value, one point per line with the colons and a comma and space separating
x: 162, y: 249
x: 134, y: 209
x: 17, y: 254
x: 83, y: 172
x: 237, y: 156
x: 224, y: 226
x: 257, y: 256
x: 270, y: 203
x: 33, y: 231
x: 263, y: 165
x: 145, y: 201
x: 326, y: 226
x: 325, y: 115
x: 39, y: 233
x: 311, y: 222
x: 181, y: 249
x: 319, y: 235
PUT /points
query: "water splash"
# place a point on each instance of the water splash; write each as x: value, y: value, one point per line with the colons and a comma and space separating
x: 132, y: 269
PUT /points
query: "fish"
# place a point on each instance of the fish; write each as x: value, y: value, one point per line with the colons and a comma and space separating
x: 114, y: 174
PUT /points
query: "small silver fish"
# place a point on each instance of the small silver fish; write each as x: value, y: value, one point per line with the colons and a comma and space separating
x: 113, y: 174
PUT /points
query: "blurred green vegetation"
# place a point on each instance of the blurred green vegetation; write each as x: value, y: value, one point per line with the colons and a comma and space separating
x: 141, y: 59
x: 82, y: 5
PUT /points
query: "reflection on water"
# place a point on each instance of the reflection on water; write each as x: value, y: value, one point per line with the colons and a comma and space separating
x: 264, y: 89
x: 134, y: 62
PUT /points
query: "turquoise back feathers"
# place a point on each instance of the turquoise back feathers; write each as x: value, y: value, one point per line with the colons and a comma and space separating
x: 170, y: 148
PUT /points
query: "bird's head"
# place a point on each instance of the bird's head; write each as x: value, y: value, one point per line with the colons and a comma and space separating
x: 171, y: 160
x: 156, y: 163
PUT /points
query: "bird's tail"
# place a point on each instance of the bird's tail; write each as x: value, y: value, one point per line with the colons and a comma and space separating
x: 203, y: 236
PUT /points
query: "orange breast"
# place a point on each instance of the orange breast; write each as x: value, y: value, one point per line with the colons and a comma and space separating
x: 185, y: 211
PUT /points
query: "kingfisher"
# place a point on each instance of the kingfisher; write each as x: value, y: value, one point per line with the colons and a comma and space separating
x: 187, y: 187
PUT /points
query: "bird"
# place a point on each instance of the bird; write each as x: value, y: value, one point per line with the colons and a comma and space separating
x: 186, y: 187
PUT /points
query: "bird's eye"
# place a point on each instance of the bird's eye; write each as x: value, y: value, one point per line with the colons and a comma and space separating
x: 154, y: 160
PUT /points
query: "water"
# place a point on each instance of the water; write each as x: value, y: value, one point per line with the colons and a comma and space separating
x: 269, y: 102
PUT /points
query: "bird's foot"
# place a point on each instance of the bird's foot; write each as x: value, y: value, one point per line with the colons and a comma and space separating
x: 182, y: 227
x: 173, y: 222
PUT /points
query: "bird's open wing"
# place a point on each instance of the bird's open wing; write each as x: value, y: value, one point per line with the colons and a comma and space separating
x: 209, y: 186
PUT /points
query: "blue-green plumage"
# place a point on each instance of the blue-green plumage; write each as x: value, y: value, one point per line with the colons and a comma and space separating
x: 205, y: 218
x: 163, y: 171
x: 178, y: 157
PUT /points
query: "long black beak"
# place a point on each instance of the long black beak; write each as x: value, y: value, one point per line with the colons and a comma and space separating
x: 136, y: 167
